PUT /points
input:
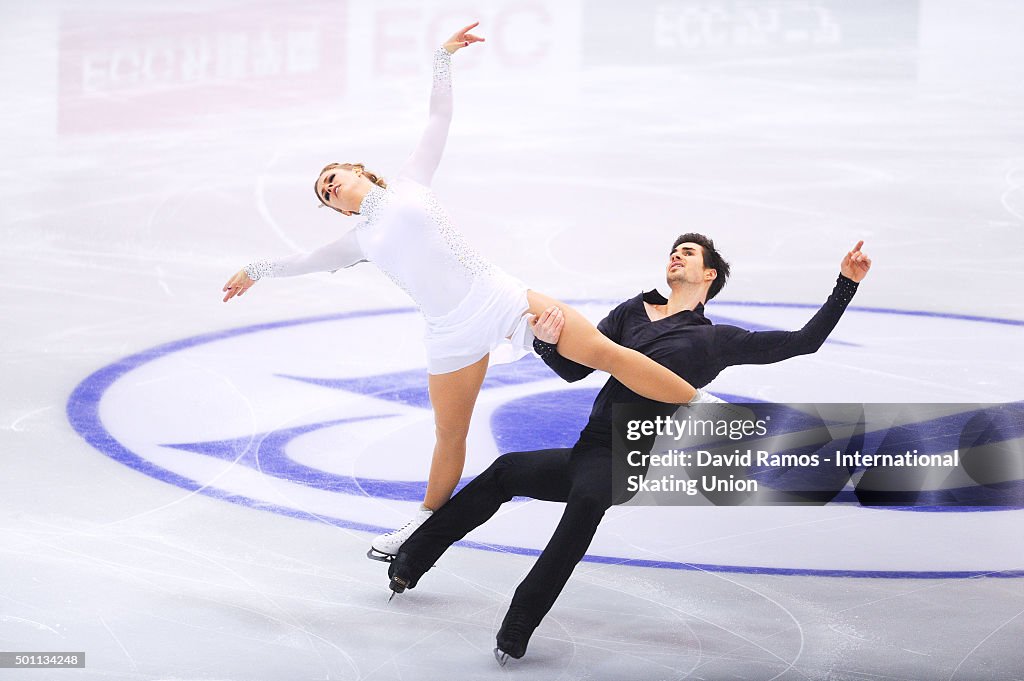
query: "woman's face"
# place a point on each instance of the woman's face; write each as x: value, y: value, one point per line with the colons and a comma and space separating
x: 336, y: 188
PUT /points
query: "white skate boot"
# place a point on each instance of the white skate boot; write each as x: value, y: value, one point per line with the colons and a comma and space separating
x: 720, y: 408
x: 386, y: 546
x: 704, y: 397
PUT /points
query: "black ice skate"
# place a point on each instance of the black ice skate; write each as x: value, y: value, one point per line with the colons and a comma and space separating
x: 404, y: 574
x: 514, y: 635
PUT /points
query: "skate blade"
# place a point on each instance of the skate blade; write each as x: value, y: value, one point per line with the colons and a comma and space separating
x: 374, y: 554
x: 501, y: 656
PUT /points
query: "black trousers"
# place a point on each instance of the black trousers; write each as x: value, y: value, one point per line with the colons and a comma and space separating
x: 581, y: 477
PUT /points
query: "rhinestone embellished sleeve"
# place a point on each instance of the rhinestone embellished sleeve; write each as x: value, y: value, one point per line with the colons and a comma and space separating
x: 544, y: 349
x: 442, y: 69
x: 259, y: 269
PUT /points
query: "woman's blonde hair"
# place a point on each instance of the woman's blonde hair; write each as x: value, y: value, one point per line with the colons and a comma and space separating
x: 372, y: 177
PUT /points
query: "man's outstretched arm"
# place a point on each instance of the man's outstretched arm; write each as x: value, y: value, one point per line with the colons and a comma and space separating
x: 739, y: 346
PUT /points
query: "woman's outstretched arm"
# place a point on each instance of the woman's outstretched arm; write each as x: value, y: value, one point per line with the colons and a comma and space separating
x: 421, y: 165
x: 331, y: 257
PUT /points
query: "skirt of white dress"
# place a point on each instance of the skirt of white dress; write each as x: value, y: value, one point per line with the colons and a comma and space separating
x: 492, y: 318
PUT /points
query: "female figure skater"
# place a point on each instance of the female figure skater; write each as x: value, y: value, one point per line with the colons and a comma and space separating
x: 470, y: 306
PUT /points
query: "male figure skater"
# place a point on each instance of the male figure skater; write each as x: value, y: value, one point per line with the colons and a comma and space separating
x: 673, y: 332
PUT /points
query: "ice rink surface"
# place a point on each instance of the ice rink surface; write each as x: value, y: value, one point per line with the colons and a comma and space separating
x: 189, y: 486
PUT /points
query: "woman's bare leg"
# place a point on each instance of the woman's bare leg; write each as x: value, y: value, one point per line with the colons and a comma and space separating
x: 582, y: 342
x: 453, y: 396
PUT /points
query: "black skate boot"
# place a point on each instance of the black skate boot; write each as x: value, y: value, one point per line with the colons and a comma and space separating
x: 514, y: 635
x: 404, y: 573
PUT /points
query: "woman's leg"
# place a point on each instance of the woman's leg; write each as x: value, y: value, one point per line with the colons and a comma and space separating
x: 452, y: 396
x: 582, y: 342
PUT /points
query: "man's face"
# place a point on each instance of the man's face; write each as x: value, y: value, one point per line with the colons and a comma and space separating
x: 686, y: 264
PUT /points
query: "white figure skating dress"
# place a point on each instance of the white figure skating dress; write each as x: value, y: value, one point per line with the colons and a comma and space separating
x: 471, y: 307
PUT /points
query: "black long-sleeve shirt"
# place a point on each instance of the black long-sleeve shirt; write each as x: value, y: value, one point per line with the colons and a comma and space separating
x: 692, y: 347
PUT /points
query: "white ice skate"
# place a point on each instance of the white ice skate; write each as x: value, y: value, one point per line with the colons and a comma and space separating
x: 721, y: 408
x: 385, y: 547
x: 704, y: 397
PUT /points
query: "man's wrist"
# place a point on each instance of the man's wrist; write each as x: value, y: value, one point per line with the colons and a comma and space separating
x: 544, y: 349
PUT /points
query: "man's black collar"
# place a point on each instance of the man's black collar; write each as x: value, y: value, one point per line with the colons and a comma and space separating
x: 653, y: 297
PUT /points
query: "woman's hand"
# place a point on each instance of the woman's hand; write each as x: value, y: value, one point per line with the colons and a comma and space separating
x: 548, y: 326
x: 237, y: 285
x: 462, y: 39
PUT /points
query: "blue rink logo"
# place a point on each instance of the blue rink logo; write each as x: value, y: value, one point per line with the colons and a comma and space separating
x: 328, y: 419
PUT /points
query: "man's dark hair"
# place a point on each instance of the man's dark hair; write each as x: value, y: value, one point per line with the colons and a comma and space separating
x: 712, y: 259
